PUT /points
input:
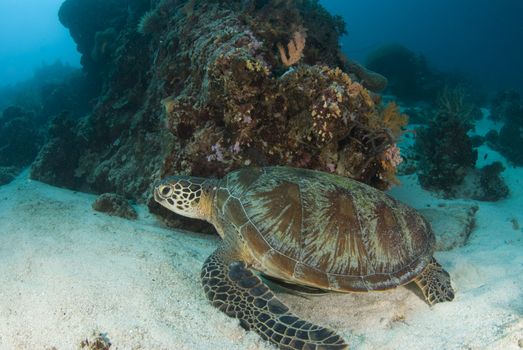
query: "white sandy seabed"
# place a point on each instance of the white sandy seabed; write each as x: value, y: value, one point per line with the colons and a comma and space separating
x: 67, y: 272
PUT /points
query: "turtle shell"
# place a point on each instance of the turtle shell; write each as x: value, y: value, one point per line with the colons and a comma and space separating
x: 322, y: 230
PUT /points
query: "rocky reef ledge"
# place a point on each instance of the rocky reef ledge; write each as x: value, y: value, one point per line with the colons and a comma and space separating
x: 205, y: 87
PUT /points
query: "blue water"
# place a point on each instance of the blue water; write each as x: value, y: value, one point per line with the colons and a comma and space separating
x: 480, y: 37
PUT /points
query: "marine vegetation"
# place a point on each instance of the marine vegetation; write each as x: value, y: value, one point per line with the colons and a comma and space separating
x: 507, y: 106
x: 205, y: 87
x: 446, y: 154
x: 310, y: 230
x: 444, y: 149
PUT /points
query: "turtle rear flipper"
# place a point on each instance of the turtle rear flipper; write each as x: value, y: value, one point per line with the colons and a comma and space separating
x: 434, y: 282
x: 237, y: 291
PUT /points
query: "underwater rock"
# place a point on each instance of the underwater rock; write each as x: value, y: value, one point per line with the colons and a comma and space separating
x: 115, y: 205
x: 371, y: 80
x: 20, y: 138
x: 57, y: 160
x: 452, y: 224
x: 507, y: 105
x: 484, y: 184
x: 408, y: 74
x: 8, y: 174
x: 86, y: 18
x: 203, y: 90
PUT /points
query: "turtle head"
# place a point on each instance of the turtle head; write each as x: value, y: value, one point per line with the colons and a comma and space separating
x: 186, y: 195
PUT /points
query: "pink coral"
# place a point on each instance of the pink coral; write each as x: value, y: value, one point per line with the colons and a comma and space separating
x: 393, y: 155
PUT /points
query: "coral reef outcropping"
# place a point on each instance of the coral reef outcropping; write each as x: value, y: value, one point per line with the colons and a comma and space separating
x: 205, y: 87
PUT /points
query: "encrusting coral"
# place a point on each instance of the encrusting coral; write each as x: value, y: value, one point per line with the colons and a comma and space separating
x: 229, y: 100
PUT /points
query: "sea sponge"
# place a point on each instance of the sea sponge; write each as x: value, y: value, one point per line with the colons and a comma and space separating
x: 295, y: 47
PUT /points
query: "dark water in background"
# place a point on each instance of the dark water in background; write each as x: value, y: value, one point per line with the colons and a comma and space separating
x: 481, y: 37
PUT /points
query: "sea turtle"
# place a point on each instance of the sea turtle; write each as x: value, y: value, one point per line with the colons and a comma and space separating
x: 304, y: 228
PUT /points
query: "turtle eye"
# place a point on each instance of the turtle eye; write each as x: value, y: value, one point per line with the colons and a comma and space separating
x: 166, y: 191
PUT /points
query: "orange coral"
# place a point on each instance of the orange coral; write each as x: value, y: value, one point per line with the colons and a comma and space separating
x: 392, y: 119
x: 294, y: 48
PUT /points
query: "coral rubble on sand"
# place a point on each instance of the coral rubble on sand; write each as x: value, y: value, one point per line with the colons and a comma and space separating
x: 114, y: 204
x: 204, y: 87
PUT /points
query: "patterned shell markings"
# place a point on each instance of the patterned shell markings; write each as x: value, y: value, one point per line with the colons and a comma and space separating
x: 330, y: 232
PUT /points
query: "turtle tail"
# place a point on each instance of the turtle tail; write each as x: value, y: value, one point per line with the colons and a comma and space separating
x: 238, y: 292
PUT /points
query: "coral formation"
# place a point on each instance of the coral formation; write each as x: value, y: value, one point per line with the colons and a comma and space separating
x: 57, y: 160
x: 507, y: 106
x: 228, y: 99
x: 492, y: 184
x: 295, y: 47
x: 115, y: 205
x: 20, y: 137
x: 149, y: 23
x: 447, y: 158
x: 412, y: 80
x: 509, y: 142
x: 104, y: 45
x: 444, y: 149
x: 371, y: 80
x: 409, y: 77
x: 54, y: 88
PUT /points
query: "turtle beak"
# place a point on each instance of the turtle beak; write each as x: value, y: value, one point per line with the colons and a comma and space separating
x: 157, y: 196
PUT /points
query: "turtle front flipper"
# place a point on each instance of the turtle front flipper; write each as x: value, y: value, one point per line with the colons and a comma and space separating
x: 434, y: 282
x: 237, y: 291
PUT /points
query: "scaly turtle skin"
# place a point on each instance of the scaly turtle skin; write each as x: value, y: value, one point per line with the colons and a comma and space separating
x: 304, y: 228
